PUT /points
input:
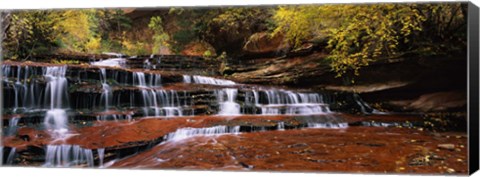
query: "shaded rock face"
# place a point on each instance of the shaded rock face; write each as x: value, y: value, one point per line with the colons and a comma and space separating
x: 393, y: 82
x: 438, y: 101
x: 265, y: 43
x: 198, y: 49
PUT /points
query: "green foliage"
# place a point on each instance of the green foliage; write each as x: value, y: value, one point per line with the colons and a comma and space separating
x: 207, y: 54
x: 46, y: 31
x: 371, y: 32
x: 357, y: 34
x: 298, y: 23
x: 57, y: 61
x: 75, y: 29
x: 160, y: 37
x: 184, y: 35
x: 29, y: 33
x: 133, y: 47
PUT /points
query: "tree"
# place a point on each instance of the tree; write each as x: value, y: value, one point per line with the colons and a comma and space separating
x: 357, y: 34
x: 29, y: 33
x: 160, y: 37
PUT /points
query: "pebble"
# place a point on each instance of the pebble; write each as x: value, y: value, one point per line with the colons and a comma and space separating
x: 450, y: 170
x: 446, y: 146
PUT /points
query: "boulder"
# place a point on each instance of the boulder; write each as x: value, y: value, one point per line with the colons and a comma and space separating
x: 263, y: 42
x: 199, y: 48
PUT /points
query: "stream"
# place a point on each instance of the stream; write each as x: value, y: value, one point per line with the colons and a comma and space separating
x: 150, y: 113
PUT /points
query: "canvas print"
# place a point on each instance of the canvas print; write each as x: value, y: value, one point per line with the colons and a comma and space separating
x: 355, y: 88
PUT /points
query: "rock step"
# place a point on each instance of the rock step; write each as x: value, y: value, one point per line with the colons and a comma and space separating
x: 134, y: 141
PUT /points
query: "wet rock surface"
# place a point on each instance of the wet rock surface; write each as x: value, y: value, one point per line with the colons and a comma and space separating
x: 355, y: 149
x: 154, y: 114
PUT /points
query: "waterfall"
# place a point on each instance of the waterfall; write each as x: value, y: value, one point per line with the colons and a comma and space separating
x: 327, y: 125
x: 163, y: 102
x: 67, y: 156
x: 281, y: 126
x: 56, y: 87
x: 276, y: 102
x: 107, y: 90
x: 228, y: 106
x: 56, y: 119
x: 12, y: 125
x: 11, y: 157
x: 154, y: 80
x: 139, y: 79
x: 187, y: 79
x: 24, y: 91
x: 101, y: 155
x: 113, y: 62
x: 114, y: 117
x: 210, y: 80
x: 184, y: 133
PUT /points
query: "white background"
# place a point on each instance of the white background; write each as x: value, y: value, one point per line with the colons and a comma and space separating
x: 48, y: 4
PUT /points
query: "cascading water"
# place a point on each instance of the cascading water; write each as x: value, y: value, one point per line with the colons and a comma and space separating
x: 206, y: 80
x: 107, y: 90
x: 228, y: 106
x: 184, y: 133
x: 67, y: 156
x: 163, y: 102
x: 327, y: 125
x: 56, y: 118
x: 101, y: 156
x: 12, y: 125
x: 11, y: 156
x: 142, y: 94
x: 187, y: 79
x: 281, y: 126
x: 275, y: 102
x: 113, y: 62
x: 114, y: 117
x: 56, y: 121
x: 149, y: 80
x: 25, y: 93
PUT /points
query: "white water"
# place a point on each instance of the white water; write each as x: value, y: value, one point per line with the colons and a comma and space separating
x: 184, y: 133
x: 107, y: 90
x: 67, y: 156
x: 24, y: 96
x: 207, y: 80
x: 277, y: 102
x: 154, y: 80
x: 12, y: 125
x: 114, y: 62
x: 328, y: 125
x: 162, y: 102
x: 56, y: 119
x: 11, y: 157
x: 228, y: 106
x: 114, y: 117
x: 187, y: 79
x: 101, y: 155
x: 281, y: 126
